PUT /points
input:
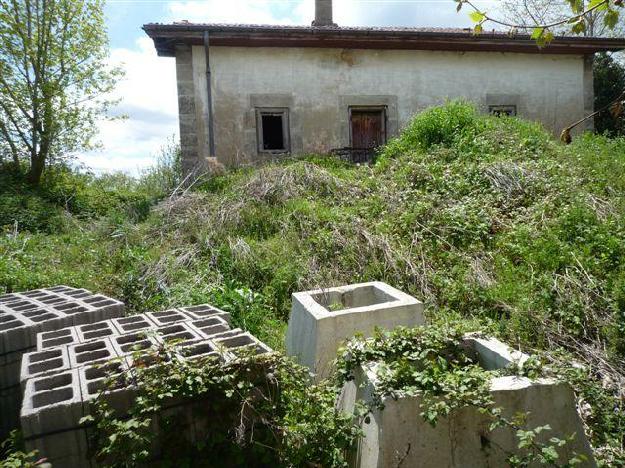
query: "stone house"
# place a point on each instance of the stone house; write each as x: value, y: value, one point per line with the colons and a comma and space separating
x: 280, y: 90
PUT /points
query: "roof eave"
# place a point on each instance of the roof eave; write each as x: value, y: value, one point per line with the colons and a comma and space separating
x: 166, y: 37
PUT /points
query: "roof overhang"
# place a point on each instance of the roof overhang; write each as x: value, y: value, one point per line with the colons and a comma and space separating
x: 167, y: 36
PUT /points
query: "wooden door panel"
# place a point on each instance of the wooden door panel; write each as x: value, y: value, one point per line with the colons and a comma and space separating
x: 367, y: 129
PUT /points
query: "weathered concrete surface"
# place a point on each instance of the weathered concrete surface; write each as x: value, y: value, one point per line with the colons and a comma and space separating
x: 399, y: 435
x: 61, y: 380
x: 34, y: 317
x: 320, y: 85
x: 322, y: 319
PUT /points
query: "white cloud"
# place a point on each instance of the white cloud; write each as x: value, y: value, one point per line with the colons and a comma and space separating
x: 238, y: 11
x: 440, y: 13
x: 148, y: 99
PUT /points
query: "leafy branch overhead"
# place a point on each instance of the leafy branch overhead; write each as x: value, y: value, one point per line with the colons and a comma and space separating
x: 576, y: 20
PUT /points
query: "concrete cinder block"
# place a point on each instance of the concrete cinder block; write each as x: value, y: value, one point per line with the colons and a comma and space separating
x: 205, y: 311
x: 200, y: 349
x: 94, y: 331
x: 51, y: 403
x: 91, y: 352
x: 131, y: 343
x: 10, y: 403
x: 166, y: 317
x: 112, y: 381
x: 10, y: 370
x: 68, y: 448
x: 399, y: 433
x: 54, y: 339
x: 76, y: 364
x: 321, y: 320
x: 15, y: 333
x: 132, y: 324
x: 240, y: 342
x: 176, y: 333
x: 23, y: 315
x: 38, y: 363
x: 210, y: 326
x: 106, y: 307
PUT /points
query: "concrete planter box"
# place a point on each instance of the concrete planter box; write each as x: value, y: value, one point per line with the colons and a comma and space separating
x: 398, y: 435
x: 321, y: 320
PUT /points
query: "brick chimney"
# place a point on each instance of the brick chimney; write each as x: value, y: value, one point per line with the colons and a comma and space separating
x: 323, y: 13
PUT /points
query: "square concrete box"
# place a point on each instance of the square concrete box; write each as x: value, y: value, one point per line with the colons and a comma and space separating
x: 321, y: 320
x: 398, y: 434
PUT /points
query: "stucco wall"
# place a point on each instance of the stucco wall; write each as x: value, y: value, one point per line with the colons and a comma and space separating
x: 318, y: 86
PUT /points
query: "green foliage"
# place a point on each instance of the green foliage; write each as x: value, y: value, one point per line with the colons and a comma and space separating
x: 487, y: 220
x: 54, y: 79
x: 432, y: 363
x: 609, y: 84
x: 253, y: 411
x: 13, y: 454
x: 435, y: 126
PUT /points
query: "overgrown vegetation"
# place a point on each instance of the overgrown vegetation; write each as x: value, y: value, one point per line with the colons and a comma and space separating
x: 488, y: 220
x: 434, y: 364
x: 253, y: 411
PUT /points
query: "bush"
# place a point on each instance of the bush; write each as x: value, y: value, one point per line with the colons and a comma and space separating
x: 435, y: 126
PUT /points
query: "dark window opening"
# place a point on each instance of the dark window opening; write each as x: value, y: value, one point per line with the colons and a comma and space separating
x: 272, y: 126
x: 499, y: 111
x: 273, y: 132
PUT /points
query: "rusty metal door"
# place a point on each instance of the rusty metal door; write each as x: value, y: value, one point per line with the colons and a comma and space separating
x: 367, y: 128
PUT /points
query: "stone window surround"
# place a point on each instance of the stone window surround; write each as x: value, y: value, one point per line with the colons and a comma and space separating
x: 285, y: 114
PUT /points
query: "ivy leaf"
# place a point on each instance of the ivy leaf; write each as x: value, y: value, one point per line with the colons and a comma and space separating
x: 477, y: 17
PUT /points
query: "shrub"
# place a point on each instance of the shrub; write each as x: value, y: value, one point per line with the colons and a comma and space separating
x: 434, y: 126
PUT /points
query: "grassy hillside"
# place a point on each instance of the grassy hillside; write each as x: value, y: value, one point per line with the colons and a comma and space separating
x: 487, y: 220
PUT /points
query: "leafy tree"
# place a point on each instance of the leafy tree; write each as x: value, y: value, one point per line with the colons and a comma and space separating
x: 609, y: 84
x: 54, y: 79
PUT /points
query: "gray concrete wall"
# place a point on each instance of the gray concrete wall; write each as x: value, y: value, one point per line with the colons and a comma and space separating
x: 319, y: 85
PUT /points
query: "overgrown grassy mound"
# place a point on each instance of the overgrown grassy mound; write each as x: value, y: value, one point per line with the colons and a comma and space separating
x: 485, y: 219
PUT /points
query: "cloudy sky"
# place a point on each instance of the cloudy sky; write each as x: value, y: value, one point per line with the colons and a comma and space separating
x: 148, y: 91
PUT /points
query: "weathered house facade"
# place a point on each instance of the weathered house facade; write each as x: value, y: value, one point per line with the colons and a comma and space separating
x: 279, y: 90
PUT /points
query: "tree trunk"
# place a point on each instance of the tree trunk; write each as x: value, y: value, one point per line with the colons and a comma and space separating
x: 37, y: 165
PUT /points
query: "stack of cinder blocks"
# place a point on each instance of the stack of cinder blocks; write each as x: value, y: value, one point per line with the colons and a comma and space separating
x: 73, y: 366
x: 23, y: 316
